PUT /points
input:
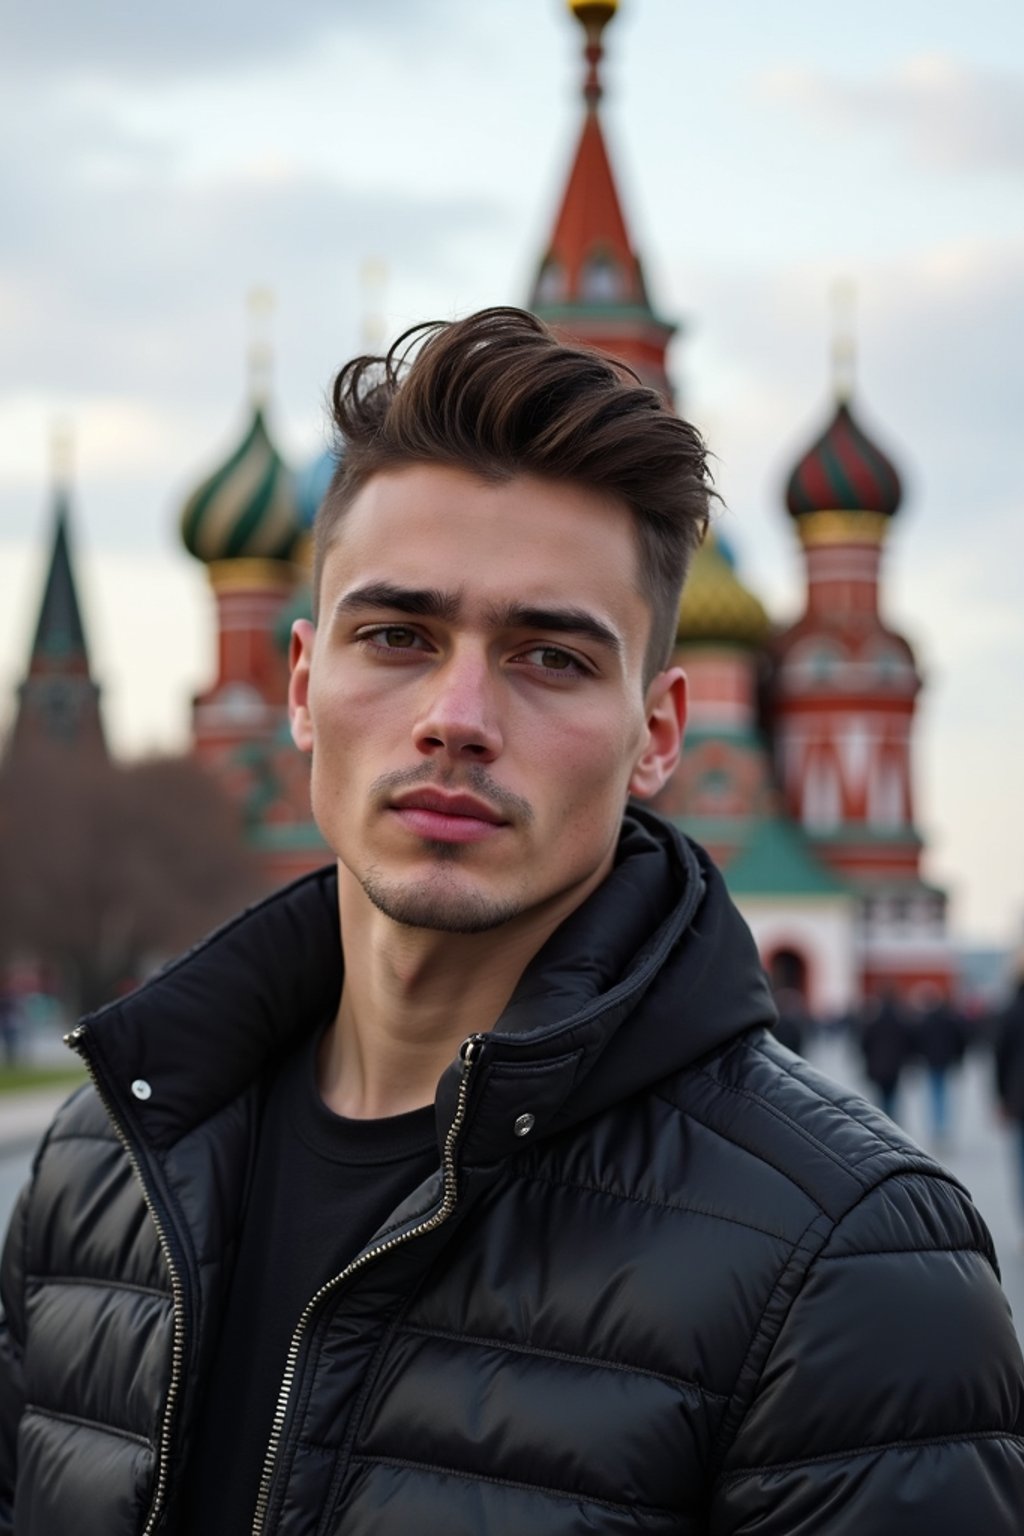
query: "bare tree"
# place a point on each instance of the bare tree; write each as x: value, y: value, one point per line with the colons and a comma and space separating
x: 107, y: 869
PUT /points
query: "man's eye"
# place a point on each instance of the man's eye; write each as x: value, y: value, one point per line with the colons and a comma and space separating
x: 553, y: 659
x: 396, y: 637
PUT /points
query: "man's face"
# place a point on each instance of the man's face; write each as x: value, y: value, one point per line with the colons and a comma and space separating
x: 473, y: 695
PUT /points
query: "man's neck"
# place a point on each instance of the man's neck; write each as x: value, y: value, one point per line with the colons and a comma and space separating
x: 411, y: 996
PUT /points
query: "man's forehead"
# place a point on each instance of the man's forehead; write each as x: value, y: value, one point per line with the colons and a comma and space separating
x: 423, y: 519
x: 498, y: 553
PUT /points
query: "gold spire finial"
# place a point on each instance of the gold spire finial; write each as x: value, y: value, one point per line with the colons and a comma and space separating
x: 260, y: 303
x: 373, y: 277
x: 61, y: 448
x: 844, y: 342
x: 594, y: 16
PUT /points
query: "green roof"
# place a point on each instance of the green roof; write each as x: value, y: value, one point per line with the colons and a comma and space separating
x: 777, y: 860
x: 857, y: 834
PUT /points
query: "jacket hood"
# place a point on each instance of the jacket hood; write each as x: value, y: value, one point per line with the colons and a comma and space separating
x: 653, y: 971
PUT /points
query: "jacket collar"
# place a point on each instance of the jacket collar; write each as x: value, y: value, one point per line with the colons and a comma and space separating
x: 659, y: 932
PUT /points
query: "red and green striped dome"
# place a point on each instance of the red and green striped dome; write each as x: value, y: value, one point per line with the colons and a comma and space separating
x: 843, y: 472
x: 248, y: 508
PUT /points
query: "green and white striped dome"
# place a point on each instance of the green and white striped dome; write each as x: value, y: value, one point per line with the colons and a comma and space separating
x: 248, y: 508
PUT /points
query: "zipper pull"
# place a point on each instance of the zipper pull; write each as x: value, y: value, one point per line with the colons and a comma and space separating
x: 469, y: 1052
x: 74, y: 1037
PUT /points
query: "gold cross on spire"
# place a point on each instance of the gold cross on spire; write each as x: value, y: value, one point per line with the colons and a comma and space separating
x: 844, y: 339
x: 594, y: 16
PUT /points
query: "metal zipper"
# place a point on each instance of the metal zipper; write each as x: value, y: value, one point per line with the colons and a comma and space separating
x: 469, y: 1053
x: 76, y: 1040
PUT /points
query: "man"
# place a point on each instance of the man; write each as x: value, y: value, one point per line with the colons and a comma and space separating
x: 460, y: 1188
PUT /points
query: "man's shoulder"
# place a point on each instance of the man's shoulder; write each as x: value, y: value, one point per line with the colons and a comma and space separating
x: 801, y: 1143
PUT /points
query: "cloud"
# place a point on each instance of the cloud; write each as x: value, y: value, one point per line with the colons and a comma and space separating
x: 142, y: 342
x: 950, y: 115
x: 130, y: 286
x: 114, y: 40
x: 938, y: 368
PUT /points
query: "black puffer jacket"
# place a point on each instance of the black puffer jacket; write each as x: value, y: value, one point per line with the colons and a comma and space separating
x: 706, y: 1291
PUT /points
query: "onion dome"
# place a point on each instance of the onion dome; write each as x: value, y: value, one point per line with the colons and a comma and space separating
x: 843, y: 472
x: 248, y: 508
x: 312, y: 482
x: 716, y: 607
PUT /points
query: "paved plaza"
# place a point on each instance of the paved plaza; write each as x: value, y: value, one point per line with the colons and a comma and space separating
x: 979, y: 1150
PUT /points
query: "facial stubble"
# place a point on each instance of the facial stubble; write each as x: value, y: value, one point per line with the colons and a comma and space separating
x: 439, y: 901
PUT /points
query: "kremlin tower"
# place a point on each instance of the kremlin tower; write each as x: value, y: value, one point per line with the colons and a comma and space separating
x: 59, y: 701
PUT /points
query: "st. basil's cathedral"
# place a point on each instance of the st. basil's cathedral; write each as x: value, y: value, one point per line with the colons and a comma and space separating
x: 797, y: 771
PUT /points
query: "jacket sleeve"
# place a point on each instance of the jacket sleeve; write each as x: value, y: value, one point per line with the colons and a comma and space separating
x: 12, y: 1395
x: 886, y: 1384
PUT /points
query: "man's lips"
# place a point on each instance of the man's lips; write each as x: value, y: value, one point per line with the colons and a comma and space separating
x: 447, y: 818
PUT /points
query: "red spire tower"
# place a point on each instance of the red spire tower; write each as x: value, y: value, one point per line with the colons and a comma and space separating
x: 590, y: 285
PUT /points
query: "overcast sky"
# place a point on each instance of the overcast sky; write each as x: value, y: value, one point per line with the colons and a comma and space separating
x: 157, y: 163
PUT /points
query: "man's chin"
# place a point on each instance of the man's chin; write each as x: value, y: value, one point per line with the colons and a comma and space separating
x: 443, y: 906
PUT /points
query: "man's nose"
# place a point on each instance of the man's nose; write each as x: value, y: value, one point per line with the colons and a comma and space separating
x: 460, y: 710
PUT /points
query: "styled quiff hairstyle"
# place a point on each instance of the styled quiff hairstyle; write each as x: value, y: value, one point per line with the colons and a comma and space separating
x: 498, y: 394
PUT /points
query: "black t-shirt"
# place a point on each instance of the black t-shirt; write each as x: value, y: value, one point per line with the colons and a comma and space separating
x: 321, y: 1187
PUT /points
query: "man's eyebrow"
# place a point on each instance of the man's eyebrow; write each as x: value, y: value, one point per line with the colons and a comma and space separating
x: 434, y: 603
x: 561, y: 621
x: 425, y: 602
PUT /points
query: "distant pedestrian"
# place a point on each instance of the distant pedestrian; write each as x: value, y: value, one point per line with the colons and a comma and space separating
x: 10, y: 1028
x: 941, y: 1038
x: 885, y: 1042
x: 793, y: 1024
x: 1009, y: 1062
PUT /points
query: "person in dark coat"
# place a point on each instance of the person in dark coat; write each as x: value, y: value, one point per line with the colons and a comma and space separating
x: 886, y: 1044
x: 461, y: 1186
x: 1009, y: 1064
x: 941, y: 1039
x: 793, y: 1024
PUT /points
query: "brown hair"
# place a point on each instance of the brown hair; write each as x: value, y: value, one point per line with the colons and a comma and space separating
x: 499, y: 394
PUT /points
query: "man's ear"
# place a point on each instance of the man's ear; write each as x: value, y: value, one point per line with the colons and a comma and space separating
x: 666, y: 721
x: 300, y: 659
